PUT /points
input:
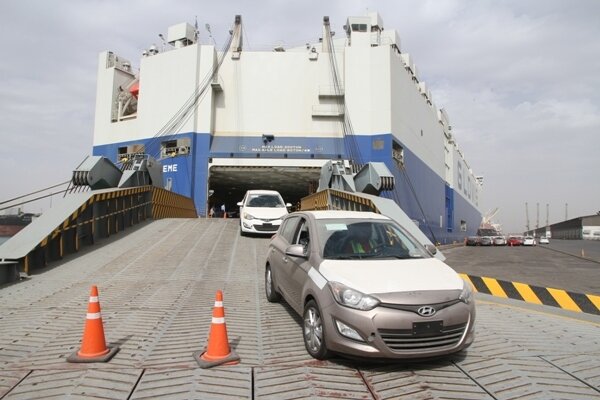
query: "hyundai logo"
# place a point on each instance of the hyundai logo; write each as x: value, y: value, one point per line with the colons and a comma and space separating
x: 426, y: 311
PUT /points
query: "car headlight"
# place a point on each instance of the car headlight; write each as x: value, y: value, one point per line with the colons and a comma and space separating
x: 466, y: 296
x: 248, y: 216
x: 352, y: 298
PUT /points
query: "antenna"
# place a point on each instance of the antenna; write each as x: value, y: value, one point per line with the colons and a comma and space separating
x: 207, y: 26
x: 164, y: 42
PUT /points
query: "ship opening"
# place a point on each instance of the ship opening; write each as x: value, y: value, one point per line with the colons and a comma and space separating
x: 227, y: 184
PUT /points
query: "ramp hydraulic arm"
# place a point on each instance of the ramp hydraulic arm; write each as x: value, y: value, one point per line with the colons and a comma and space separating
x: 100, y: 173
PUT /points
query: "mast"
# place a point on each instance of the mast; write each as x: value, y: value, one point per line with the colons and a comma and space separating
x: 237, y: 40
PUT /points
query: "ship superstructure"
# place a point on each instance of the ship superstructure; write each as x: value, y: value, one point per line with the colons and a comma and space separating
x: 223, y: 121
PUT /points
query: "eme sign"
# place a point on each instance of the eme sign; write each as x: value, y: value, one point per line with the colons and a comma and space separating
x: 170, y: 168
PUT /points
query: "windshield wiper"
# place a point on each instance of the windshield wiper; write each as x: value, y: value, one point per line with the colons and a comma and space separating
x: 399, y: 256
x: 346, y: 257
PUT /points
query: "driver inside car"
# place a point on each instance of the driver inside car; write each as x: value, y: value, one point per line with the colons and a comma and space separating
x: 359, y: 241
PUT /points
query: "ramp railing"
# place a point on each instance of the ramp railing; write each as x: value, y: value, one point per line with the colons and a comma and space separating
x: 331, y: 199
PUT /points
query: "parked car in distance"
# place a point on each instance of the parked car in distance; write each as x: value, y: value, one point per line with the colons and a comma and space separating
x: 261, y: 211
x: 365, y: 287
x: 529, y: 241
x: 499, y: 241
x: 514, y: 241
x: 485, y: 241
x: 544, y: 240
x: 472, y: 241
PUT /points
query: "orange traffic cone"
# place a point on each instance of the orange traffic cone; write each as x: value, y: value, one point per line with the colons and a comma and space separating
x: 217, y: 351
x: 93, y: 344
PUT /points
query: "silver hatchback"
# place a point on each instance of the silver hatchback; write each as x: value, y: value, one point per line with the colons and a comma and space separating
x: 365, y: 287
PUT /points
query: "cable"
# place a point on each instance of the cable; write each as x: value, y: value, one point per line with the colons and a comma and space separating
x: 29, y: 201
x: 350, y: 141
x: 412, y: 189
x: 185, y: 111
x: 37, y: 191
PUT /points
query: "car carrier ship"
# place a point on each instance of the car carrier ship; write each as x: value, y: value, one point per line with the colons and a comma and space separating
x: 223, y: 121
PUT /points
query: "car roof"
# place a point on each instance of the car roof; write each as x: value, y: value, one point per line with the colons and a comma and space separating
x: 341, y: 214
x: 261, y: 191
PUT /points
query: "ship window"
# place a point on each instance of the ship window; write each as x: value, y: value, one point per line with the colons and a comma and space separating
x: 378, y: 144
x: 359, y: 27
x: 125, y: 153
x: 463, y: 225
x: 172, y: 148
x: 398, y: 154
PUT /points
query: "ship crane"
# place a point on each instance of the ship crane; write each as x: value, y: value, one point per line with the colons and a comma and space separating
x: 487, y: 218
x: 487, y: 227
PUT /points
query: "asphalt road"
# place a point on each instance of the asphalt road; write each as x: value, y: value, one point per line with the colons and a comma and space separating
x: 558, y: 265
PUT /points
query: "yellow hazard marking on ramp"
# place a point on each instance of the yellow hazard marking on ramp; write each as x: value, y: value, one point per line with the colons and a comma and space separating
x: 595, y: 300
x: 494, y: 287
x: 526, y: 292
x: 564, y: 300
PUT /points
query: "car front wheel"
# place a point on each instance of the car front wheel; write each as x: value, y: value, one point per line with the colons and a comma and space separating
x: 314, y: 332
x: 270, y: 291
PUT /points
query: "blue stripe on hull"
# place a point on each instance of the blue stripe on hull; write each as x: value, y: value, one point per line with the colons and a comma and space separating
x: 419, y: 191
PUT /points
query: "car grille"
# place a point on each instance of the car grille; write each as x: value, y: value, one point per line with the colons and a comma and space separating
x: 404, y: 340
x: 269, y: 228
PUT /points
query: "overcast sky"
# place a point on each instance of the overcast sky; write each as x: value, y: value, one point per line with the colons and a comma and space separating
x: 519, y: 79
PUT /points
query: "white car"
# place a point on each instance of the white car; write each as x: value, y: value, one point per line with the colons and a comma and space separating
x: 544, y: 240
x: 499, y: 241
x: 529, y: 241
x: 261, y: 211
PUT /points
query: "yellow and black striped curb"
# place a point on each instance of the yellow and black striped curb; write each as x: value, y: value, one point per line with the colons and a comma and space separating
x: 578, y: 302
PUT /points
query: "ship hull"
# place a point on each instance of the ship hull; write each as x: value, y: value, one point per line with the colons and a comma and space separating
x: 444, y: 214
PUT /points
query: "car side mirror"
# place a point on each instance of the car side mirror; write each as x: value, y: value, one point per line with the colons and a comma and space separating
x: 431, y: 248
x: 240, y: 203
x: 296, y: 250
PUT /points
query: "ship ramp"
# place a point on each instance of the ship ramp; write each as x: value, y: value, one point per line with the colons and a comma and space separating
x: 157, y: 290
x: 84, y: 218
x: 102, y: 199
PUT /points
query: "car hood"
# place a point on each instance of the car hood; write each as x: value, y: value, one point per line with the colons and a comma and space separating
x: 391, y: 276
x: 262, y: 212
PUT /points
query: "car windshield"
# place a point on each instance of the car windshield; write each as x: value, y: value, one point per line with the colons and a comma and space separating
x: 264, y: 200
x: 362, y: 239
